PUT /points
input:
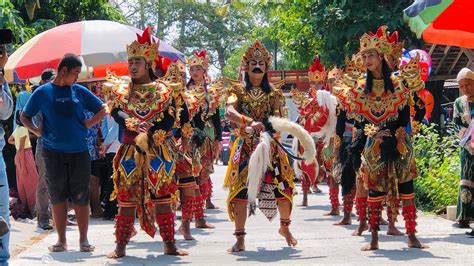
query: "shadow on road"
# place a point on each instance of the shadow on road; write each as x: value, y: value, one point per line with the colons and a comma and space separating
x: 406, y: 254
x: 264, y: 255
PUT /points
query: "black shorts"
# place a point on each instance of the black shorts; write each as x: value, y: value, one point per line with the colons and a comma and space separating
x: 406, y: 188
x: 68, y: 176
x: 99, y: 168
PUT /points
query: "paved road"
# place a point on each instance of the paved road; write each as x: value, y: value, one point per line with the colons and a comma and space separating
x: 320, y: 242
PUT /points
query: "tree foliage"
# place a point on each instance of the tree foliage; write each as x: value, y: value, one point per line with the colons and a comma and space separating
x: 330, y: 28
x: 195, y: 25
x: 437, y: 160
x: 10, y: 18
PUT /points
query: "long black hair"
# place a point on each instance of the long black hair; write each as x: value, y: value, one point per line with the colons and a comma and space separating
x: 387, y: 81
x: 265, y: 85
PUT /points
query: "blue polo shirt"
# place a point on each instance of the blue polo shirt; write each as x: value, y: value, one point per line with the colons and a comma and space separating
x: 63, y: 115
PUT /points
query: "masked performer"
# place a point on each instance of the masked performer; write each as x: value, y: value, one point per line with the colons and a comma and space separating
x: 380, y: 103
x: 207, y: 121
x: 144, y: 165
x: 250, y: 105
x: 317, y: 114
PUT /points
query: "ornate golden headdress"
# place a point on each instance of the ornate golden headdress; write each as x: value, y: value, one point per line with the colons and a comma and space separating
x: 395, y: 47
x: 316, y: 71
x: 377, y: 41
x: 256, y: 52
x: 199, y: 59
x: 144, y: 47
x: 181, y: 65
x: 173, y: 73
x: 335, y: 73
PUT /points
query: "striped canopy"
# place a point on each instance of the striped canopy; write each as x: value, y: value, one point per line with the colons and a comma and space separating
x: 447, y: 22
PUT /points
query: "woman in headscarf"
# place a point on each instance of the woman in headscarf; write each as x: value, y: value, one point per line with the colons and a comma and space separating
x: 464, y: 124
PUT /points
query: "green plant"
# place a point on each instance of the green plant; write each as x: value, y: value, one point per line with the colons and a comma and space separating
x: 437, y: 159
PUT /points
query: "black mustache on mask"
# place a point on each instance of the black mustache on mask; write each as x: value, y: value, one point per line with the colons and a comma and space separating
x: 257, y: 70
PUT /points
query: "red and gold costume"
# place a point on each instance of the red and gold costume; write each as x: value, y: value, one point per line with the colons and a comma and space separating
x: 317, y: 114
x: 207, y: 121
x: 388, y: 166
x: 144, y: 165
x: 187, y: 164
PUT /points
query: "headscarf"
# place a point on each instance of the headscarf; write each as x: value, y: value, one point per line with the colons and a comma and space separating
x: 21, y: 101
x: 465, y: 73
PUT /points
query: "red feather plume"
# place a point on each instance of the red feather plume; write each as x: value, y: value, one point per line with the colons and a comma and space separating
x: 145, y: 37
x: 316, y: 65
x: 202, y: 53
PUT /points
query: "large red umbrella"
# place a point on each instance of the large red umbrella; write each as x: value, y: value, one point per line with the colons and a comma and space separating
x: 97, y: 42
x: 447, y: 22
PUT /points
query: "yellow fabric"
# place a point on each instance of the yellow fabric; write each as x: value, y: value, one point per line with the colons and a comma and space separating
x: 19, y: 133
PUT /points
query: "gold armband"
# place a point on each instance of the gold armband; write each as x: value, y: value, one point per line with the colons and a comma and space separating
x: 187, y: 130
x: 159, y: 137
x: 132, y: 124
x: 370, y: 130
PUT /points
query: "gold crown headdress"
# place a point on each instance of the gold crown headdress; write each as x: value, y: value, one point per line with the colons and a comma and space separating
x: 173, y: 71
x: 395, y: 47
x: 144, y: 47
x: 199, y: 59
x: 316, y: 71
x: 335, y: 73
x: 181, y: 65
x: 256, y: 52
x: 377, y: 41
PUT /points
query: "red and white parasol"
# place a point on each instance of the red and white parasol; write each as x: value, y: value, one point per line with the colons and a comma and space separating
x: 99, y: 43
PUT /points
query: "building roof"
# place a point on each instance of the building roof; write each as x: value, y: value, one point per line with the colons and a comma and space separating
x: 448, y: 60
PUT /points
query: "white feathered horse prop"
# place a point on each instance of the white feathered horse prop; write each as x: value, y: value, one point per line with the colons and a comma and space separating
x: 328, y: 102
x: 260, y: 160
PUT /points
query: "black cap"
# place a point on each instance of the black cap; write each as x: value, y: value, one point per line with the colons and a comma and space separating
x: 47, y: 74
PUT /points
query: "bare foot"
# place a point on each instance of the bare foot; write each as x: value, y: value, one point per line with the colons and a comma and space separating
x: 186, y: 233
x: 202, y: 223
x: 290, y: 240
x: 371, y: 246
x: 238, y: 246
x: 170, y: 249
x: 362, y: 227
x: 210, y: 205
x: 86, y: 247
x: 393, y: 231
x: 413, y: 242
x: 346, y: 220
x: 119, y: 252
x: 304, y: 203
x: 58, y: 247
x: 333, y: 212
x: 383, y: 221
x: 134, y: 232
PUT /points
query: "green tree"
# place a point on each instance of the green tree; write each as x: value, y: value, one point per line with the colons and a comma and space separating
x: 330, y: 28
x: 66, y: 11
x: 218, y: 29
x: 10, y: 18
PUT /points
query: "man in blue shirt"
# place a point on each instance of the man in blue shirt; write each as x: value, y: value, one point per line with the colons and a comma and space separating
x: 63, y: 133
x: 6, y: 109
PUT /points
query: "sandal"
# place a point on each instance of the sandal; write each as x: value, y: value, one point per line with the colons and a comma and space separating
x: 58, y: 247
